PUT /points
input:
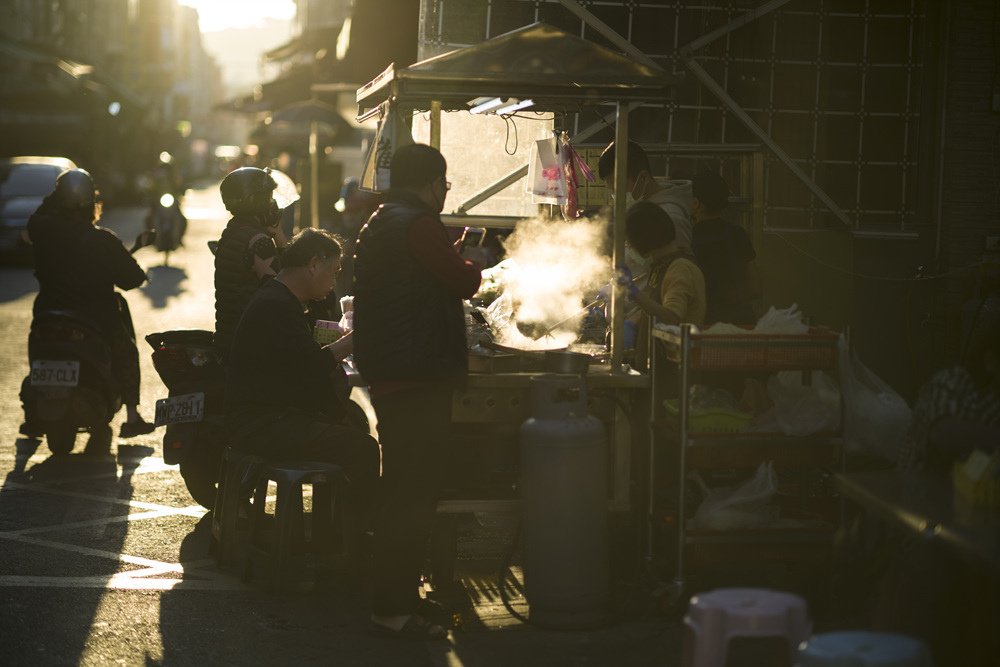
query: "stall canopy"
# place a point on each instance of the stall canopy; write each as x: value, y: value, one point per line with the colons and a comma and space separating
x: 556, y: 70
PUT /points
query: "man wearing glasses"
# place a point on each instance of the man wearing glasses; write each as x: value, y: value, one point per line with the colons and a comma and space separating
x: 409, y: 282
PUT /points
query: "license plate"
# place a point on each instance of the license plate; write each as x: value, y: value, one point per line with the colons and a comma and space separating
x: 55, y: 373
x: 177, y: 409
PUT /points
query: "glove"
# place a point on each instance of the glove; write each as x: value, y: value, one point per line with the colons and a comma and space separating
x: 626, y: 282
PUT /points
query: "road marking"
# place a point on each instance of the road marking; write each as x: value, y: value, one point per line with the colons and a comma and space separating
x: 124, y: 582
x: 196, y: 511
x: 91, y: 522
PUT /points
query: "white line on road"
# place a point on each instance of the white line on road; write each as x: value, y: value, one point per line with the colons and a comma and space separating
x: 124, y: 582
x: 192, y: 510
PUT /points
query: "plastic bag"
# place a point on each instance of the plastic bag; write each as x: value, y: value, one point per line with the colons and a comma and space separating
x: 801, y: 409
x: 743, y: 506
x: 546, y: 175
x: 392, y: 133
x: 876, y: 418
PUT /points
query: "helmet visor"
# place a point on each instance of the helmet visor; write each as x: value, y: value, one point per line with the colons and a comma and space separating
x: 285, y: 193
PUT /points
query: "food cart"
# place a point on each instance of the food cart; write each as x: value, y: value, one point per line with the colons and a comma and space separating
x: 556, y: 72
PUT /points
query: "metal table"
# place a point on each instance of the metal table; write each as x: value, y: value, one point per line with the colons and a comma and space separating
x: 925, y: 503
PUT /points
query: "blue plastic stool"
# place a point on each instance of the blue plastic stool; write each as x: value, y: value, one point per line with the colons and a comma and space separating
x: 863, y: 649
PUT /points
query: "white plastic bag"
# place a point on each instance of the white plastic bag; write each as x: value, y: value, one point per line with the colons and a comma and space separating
x: 392, y: 133
x: 801, y: 409
x: 876, y: 418
x: 546, y: 173
x: 744, y: 506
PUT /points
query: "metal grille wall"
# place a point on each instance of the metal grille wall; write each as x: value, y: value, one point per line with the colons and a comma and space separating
x: 838, y: 84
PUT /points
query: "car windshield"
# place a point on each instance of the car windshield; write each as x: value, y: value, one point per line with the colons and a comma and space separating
x: 27, y: 180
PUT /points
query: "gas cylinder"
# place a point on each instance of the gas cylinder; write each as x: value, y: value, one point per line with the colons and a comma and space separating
x: 564, y: 506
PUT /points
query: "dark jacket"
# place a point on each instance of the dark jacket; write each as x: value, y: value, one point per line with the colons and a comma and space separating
x: 724, y: 251
x: 275, y: 365
x: 79, y: 265
x: 408, y: 326
x: 235, y: 278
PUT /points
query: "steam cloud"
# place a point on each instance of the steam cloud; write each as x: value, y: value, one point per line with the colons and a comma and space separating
x: 556, y: 264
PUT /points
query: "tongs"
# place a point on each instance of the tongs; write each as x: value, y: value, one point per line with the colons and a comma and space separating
x: 582, y: 311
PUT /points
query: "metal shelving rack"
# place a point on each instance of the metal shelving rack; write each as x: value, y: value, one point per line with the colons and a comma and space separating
x: 741, y: 353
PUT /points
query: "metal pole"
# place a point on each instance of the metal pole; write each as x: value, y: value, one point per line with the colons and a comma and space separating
x: 717, y: 90
x: 618, y: 249
x: 436, y: 124
x: 314, y: 174
x: 651, y: 462
x: 608, y: 32
x: 684, y: 406
x: 724, y: 30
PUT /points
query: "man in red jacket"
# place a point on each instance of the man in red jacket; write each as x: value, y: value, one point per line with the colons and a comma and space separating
x: 409, y: 345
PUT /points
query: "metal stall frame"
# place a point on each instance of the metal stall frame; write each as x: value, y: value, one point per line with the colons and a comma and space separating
x: 567, y: 73
x: 563, y: 74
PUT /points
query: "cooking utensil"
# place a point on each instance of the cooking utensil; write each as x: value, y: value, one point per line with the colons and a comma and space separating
x: 529, y: 330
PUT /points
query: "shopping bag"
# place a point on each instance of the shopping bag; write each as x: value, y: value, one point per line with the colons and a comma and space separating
x: 546, y: 175
x: 876, y: 417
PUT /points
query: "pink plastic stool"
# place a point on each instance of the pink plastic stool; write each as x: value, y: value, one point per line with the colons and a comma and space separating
x: 716, y: 617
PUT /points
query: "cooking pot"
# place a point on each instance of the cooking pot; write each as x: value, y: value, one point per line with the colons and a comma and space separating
x: 562, y: 361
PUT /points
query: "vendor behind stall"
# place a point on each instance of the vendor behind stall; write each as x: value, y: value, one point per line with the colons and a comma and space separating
x: 674, y: 197
x: 724, y: 254
x: 675, y: 287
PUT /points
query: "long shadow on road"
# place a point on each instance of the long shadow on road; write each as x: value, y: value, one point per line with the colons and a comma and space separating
x: 164, y: 283
x: 240, y: 624
x: 63, y: 524
x: 15, y: 283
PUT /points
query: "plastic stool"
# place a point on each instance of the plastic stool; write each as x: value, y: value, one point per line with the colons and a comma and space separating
x: 230, y: 531
x: 281, y: 549
x: 863, y: 649
x: 717, y: 617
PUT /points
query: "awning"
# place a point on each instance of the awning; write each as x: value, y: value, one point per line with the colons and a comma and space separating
x: 77, y: 70
x: 309, y: 42
x: 555, y: 69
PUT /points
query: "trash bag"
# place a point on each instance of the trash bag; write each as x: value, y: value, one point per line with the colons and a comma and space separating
x: 740, y: 507
x: 876, y: 417
x: 801, y: 409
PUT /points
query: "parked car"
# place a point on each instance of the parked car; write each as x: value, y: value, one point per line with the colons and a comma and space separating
x: 24, y: 183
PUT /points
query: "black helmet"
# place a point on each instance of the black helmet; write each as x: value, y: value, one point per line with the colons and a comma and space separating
x: 74, y: 189
x: 247, y: 191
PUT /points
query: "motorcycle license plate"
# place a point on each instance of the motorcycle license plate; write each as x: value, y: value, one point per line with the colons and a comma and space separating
x: 183, y: 408
x: 55, y: 373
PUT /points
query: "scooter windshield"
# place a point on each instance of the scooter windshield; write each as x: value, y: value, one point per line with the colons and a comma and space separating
x: 285, y: 194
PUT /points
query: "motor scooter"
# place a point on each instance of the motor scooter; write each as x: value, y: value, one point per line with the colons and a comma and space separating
x: 166, y: 218
x: 70, y: 387
x: 193, y: 411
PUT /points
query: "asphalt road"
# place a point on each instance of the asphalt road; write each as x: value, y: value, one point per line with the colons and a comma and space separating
x: 105, y: 561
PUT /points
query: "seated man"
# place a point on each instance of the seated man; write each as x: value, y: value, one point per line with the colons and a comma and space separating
x: 287, y: 397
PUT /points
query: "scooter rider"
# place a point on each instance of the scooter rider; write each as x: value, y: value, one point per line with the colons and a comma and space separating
x: 248, y: 252
x: 78, y: 266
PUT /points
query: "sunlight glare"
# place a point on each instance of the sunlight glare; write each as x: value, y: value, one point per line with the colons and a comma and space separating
x: 217, y: 15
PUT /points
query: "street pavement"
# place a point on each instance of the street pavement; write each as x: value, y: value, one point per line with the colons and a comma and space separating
x: 105, y: 561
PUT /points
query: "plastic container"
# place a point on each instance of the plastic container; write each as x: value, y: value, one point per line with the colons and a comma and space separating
x: 716, y: 420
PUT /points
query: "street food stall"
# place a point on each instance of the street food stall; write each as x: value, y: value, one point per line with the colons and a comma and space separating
x: 547, y: 70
